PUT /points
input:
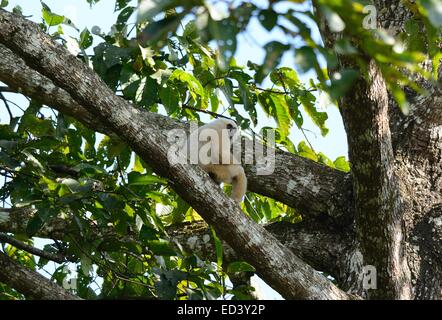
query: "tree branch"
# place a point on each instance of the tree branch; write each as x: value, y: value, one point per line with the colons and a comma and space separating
x: 274, y: 263
x: 30, y: 283
x: 15, y: 220
x: 59, y: 258
x: 296, y: 181
x: 318, y: 241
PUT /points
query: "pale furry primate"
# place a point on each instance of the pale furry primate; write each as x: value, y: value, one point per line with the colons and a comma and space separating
x: 214, y: 154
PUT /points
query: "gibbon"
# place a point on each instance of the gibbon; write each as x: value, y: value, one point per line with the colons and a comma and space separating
x: 215, y: 155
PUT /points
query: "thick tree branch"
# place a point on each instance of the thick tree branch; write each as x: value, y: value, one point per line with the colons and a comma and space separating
x: 311, y: 188
x: 22, y: 79
x: 296, y: 181
x: 30, y: 283
x: 319, y: 244
x: 274, y: 263
x: 15, y: 220
x: 319, y: 241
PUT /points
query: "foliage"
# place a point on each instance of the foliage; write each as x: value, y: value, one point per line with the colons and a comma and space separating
x: 179, y: 59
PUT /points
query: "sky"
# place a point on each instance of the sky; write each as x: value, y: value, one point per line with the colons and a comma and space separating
x: 249, y: 48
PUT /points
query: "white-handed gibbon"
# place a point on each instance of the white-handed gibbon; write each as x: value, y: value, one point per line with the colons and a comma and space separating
x: 215, y: 155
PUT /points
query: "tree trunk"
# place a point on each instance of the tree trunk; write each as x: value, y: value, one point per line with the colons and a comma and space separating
x: 383, y: 217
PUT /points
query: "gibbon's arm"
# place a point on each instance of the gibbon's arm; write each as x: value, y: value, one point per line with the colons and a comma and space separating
x: 239, y: 185
x: 232, y: 174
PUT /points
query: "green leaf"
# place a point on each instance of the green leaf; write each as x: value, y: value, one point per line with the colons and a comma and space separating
x: 285, y: 77
x: 34, y: 225
x: 4, y: 3
x: 150, y: 93
x: 156, y: 32
x: 342, y: 164
x: 308, y: 102
x: 305, y: 151
x: 325, y: 160
x: 170, y: 98
x: 305, y: 58
x: 239, y: 266
x: 400, y: 98
x: 135, y: 178
x: 218, y: 248
x: 194, y: 86
x: 50, y: 18
x: 148, y: 9
x: 167, y: 286
x: 86, y: 39
x: 344, y: 46
x: 342, y: 82
x: 248, y: 99
x: 224, y: 32
x: 44, y: 213
x: 125, y: 15
x: 138, y: 165
x: 17, y: 10
x: 190, y: 30
x: 274, y: 51
x: 161, y: 247
x: 276, y: 106
x: 147, y: 233
x: 268, y: 18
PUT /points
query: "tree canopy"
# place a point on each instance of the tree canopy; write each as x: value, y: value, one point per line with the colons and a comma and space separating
x: 85, y: 167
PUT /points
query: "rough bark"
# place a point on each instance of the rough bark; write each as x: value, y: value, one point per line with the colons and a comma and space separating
x: 387, y: 213
x: 296, y: 181
x: 396, y: 169
x: 30, y: 283
x: 274, y: 263
x: 320, y: 242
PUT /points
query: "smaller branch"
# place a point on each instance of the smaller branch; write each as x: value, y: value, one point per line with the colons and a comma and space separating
x: 2, y: 97
x: 213, y: 114
x: 59, y: 258
x: 7, y: 89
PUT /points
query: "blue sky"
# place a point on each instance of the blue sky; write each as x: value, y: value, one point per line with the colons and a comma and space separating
x: 249, y: 48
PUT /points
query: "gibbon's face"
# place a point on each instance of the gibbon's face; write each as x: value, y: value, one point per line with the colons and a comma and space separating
x: 229, y: 125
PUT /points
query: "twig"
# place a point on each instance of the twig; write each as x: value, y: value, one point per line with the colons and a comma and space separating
x: 7, y: 89
x: 16, y: 105
x: 213, y: 114
x: 56, y: 257
x: 2, y: 97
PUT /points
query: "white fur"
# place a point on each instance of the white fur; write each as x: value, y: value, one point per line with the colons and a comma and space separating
x: 215, y: 141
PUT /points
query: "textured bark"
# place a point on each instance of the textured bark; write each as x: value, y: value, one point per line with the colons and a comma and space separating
x: 377, y: 201
x: 320, y: 242
x: 275, y: 263
x: 396, y: 177
x: 30, y: 283
x: 386, y: 213
x: 296, y: 181
x: 15, y: 220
